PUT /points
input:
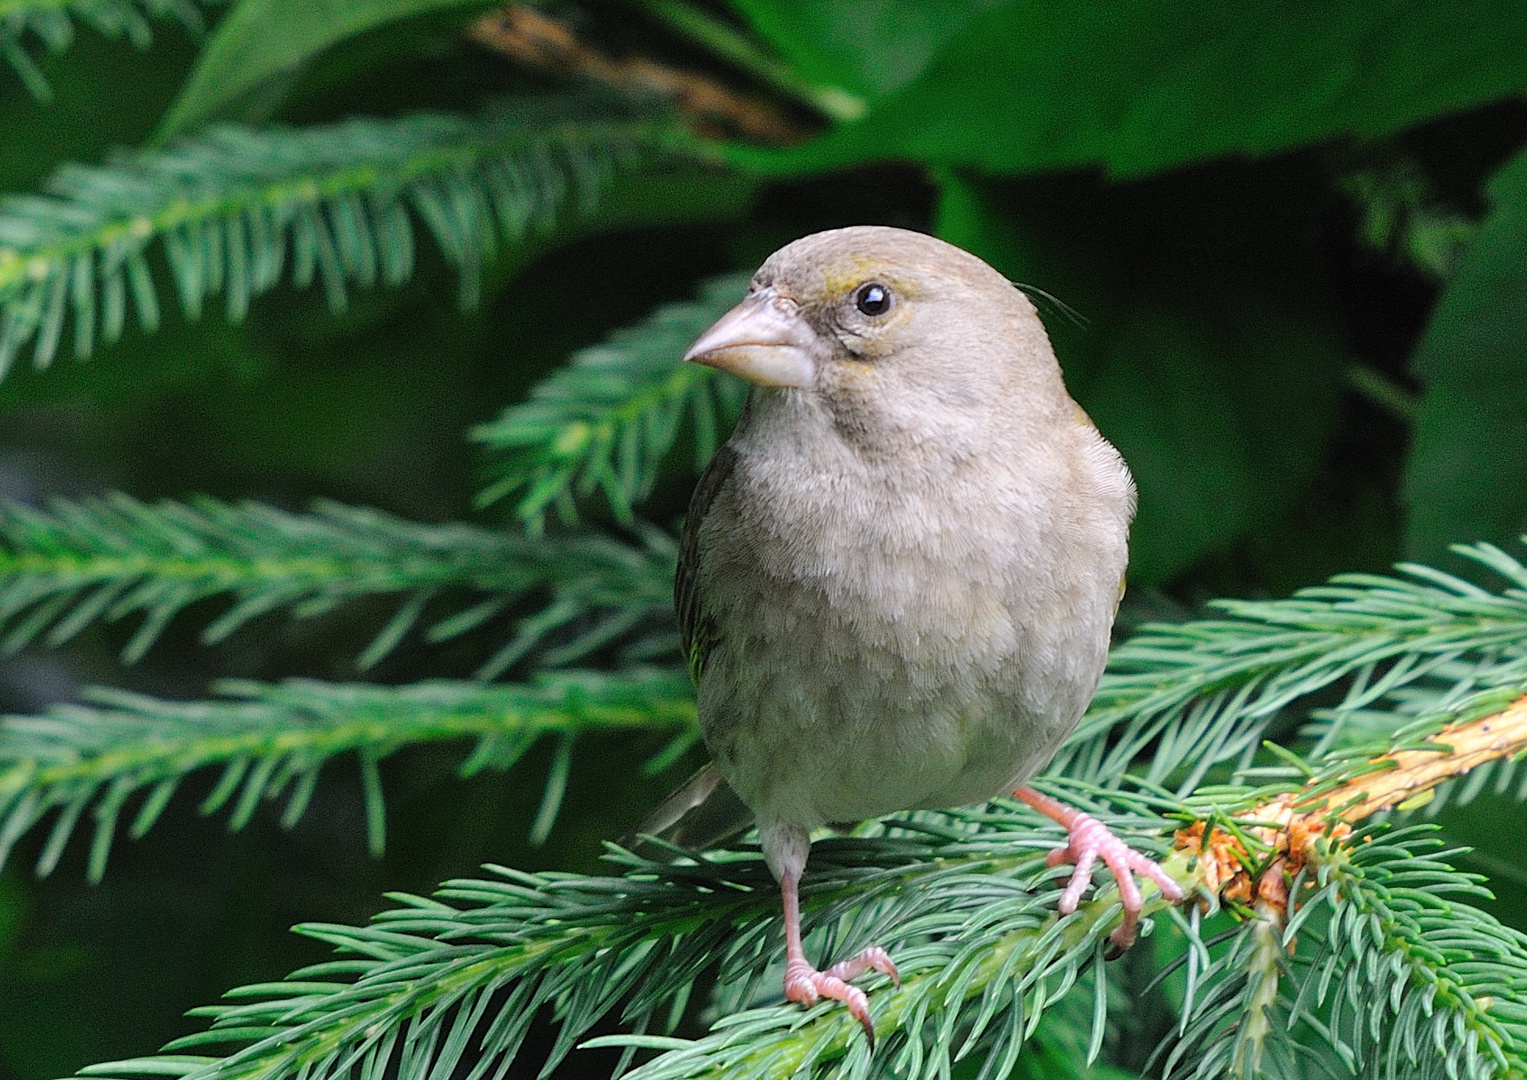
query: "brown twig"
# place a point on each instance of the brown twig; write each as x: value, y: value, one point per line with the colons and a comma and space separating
x: 536, y: 40
x: 1289, y: 827
x: 1458, y: 749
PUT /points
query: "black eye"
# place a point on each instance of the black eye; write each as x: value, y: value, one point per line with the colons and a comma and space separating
x: 873, y: 299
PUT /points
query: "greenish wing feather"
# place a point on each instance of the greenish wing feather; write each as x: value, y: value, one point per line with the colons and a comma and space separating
x: 696, y: 630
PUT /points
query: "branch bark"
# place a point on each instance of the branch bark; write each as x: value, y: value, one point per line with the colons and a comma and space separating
x: 1287, y: 830
x: 536, y: 40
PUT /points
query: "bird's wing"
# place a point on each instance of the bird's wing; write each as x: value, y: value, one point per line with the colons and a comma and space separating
x: 704, y: 810
x: 697, y: 631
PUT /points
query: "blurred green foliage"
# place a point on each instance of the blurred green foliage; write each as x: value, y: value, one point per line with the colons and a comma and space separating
x: 1282, y: 251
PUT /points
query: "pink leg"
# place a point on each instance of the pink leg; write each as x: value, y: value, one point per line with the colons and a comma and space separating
x: 1089, y: 841
x: 804, y: 984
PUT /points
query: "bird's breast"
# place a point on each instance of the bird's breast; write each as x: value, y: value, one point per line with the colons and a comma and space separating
x: 891, y: 636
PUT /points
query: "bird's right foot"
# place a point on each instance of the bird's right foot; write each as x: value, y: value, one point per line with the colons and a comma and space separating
x: 1089, y: 840
x: 804, y: 985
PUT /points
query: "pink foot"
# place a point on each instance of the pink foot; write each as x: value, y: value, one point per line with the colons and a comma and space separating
x: 1091, y: 840
x: 804, y: 984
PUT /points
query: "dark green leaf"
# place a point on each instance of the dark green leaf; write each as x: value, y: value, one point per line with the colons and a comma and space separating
x: 1141, y: 87
x: 1467, y: 474
x: 873, y: 47
x: 262, y: 38
x: 1219, y: 393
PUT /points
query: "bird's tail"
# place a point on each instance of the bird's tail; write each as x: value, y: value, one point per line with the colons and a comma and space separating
x: 700, y: 814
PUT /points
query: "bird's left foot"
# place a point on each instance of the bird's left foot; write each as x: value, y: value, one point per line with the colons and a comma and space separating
x: 804, y: 984
x: 1089, y: 841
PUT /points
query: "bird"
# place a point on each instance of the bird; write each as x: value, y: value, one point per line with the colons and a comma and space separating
x: 897, y: 579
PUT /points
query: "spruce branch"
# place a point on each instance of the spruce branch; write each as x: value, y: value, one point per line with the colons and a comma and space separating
x: 1385, y: 963
x: 453, y: 982
x: 1359, y: 935
x: 272, y: 741
x: 1290, y: 829
x: 1182, y: 702
x: 236, y: 211
x: 52, y: 23
x: 607, y: 421
x: 75, y: 563
x: 1403, y: 777
x: 1381, y: 903
x: 1389, y: 922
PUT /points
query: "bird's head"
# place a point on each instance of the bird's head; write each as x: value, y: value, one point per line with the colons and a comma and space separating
x: 870, y: 317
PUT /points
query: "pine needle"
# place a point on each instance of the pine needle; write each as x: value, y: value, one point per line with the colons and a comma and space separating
x: 272, y: 741
x: 51, y: 22
x: 236, y: 211
x: 606, y: 421
x: 76, y: 563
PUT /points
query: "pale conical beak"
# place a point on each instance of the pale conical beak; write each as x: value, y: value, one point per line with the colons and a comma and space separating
x: 764, y: 340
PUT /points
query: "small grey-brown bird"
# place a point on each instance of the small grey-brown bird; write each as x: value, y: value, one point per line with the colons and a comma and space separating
x: 897, y: 579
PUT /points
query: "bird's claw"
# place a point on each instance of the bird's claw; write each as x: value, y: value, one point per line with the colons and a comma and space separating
x: 804, y: 984
x: 872, y: 959
x: 1091, y: 840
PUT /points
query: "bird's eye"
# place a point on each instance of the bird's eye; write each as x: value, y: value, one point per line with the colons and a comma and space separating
x: 873, y: 299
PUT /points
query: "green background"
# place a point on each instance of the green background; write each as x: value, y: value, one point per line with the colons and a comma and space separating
x: 1294, y: 236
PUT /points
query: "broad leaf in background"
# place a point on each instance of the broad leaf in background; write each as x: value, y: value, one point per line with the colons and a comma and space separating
x: 874, y: 47
x: 1220, y: 397
x: 260, y: 39
x: 1467, y: 474
x: 1142, y: 87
